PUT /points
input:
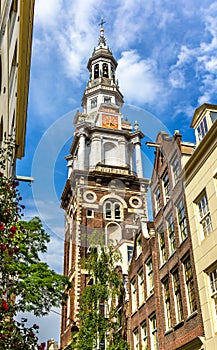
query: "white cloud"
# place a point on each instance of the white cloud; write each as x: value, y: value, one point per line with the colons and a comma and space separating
x: 47, y: 13
x: 54, y: 255
x: 138, y: 78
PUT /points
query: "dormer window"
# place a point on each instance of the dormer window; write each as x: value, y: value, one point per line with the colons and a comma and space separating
x: 202, y: 129
x: 213, y: 116
x: 96, y: 71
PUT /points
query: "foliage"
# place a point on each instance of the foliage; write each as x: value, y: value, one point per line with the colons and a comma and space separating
x: 26, y: 283
x: 99, y: 316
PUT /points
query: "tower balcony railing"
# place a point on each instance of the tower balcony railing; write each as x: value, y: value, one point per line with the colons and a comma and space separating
x: 101, y: 80
x: 113, y: 169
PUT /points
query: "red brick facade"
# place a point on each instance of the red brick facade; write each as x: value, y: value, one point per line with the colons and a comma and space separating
x: 174, y: 299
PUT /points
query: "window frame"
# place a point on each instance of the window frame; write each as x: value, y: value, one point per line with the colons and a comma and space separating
x: 157, y: 199
x: 189, y: 285
x: 167, y: 303
x: 110, y: 210
x: 144, y: 335
x: 93, y: 103
x: 213, y: 291
x: 205, y: 220
x: 149, y: 276
x: 177, y: 295
x: 181, y: 219
x: 133, y: 295
x: 171, y: 234
x: 175, y: 167
x: 153, y: 331
x: 162, y: 247
x: 166, y: 186
x: 202, y: 129
x: 141, y: 286
x: 136, y: 339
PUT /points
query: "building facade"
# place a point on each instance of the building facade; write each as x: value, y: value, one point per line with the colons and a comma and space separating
x: 16, y: 23
x: 165, y: 306
x: 200, y: 176
x: 105, y: 193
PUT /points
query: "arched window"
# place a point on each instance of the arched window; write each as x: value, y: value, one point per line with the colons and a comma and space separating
x: 96, y: 71
x: 109, y: 153
x: 108, y: 211
x: 117, y: 211
x: 113, y: 211
x: 105, y: 70
x: 114, y: 233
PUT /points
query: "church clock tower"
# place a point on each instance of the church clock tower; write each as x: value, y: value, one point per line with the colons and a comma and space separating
x: 105, y: 193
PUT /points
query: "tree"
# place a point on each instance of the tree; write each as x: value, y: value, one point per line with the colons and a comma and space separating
x: 26, y: 283
x: 100, y: 318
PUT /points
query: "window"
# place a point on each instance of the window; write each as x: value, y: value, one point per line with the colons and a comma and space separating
x: 108, y: 212
x: 93, y: 102
x: 157, y: 199
x: 129, y: 253
x: 13, y: 68
x: 213, y: 287
x: 171, y: 235
x: 166, y: 186
x: 213, y: 116
x: 177, y: 296
x: 135, y: 339
x: 105, y: 70
x: 113, y: 211
x: 163, y: 254
x: 141, y: 291
x: 117, y: 211
x: 167, y: 303
x: 182, y: 220
x: 138, y: 246
x: 192, y: 305
x: 12, y: 16
x: 153, y: 332
x: 96, y: 71
x: 202, y: 129
x: 149, y: 276
x: 205, y: 218
x: 175, y: 170
x: 144, y: 336
x: 107, y: 99
x: 133, y: 295
x: 90, y: 213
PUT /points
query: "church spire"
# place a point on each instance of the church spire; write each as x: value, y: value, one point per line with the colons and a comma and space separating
x: 102, y: 40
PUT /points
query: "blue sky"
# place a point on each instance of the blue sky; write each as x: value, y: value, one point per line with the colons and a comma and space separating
x: 167, y: 67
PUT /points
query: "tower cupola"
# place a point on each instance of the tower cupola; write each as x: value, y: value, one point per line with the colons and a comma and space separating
x: 102, y: 86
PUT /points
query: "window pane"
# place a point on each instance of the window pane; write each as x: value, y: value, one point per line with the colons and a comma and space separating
x: 192, y: 306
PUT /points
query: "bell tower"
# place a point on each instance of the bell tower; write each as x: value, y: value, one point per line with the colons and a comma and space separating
x: 105, y: 195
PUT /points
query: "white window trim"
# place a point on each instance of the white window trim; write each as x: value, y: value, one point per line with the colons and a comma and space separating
x: 112, y: 206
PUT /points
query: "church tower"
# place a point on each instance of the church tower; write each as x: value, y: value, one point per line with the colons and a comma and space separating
x: 105, y: 195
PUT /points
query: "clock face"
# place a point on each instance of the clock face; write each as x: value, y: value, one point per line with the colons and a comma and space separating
x: 110, y: 121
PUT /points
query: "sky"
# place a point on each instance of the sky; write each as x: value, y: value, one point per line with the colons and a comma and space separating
x: 167, y: 67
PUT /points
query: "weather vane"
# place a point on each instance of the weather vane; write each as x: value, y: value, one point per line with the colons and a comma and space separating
x: 102, y: 22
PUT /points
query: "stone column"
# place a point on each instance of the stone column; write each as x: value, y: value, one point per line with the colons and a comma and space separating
x: 95, y: 152
x: 81, y: 152
x: 138, y: 160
